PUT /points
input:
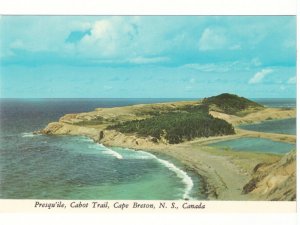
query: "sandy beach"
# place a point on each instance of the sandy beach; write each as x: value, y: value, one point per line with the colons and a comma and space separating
x: 224, y: 172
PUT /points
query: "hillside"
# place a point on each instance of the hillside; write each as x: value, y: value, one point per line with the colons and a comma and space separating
x: 191, y: 125
x: 231, y: 104
x: 176, y: 127
x: 169, y: 123
x: 275, y: 181
x: 190, y: 121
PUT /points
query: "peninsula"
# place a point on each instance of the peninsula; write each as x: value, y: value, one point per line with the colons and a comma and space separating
x: 183, y: 131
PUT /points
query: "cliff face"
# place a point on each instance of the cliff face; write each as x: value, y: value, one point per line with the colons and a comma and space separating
x: 60, y: 128
x: 275, y: 182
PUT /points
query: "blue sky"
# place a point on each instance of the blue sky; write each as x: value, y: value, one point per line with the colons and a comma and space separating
x: 147, y: 56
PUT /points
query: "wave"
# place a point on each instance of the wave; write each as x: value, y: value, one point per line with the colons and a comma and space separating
x: 84, y: 139
x: 107, y: 150
x: 30, y: 134
x: 137, y: 154
x: 186, y: 179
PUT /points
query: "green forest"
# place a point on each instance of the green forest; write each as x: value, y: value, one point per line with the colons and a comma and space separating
x: 231, y: 104
x: 178, y: 126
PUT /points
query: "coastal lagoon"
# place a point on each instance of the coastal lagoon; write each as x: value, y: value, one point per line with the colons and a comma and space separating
x: 280, y: 126
x: 252, y: 144
x: 66, y: 167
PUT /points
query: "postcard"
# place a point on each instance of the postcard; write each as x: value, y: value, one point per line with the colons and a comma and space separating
x: 148, y: 113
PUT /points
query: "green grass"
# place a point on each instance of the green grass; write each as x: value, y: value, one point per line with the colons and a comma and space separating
x: 97, y: 121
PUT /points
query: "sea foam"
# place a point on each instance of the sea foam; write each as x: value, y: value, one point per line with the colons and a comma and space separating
x: 30, y: 134
x: 107, y: 150
x: 185, y: 178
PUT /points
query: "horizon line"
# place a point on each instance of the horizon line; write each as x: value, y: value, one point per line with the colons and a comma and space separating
x: 139, y: 97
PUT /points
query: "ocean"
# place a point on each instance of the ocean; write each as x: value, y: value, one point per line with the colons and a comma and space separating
x: 74, y: 167
x: 282, y: 126
x: 65, y: 167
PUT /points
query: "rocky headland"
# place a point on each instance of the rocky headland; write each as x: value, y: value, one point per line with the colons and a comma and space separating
x: 182, y: 130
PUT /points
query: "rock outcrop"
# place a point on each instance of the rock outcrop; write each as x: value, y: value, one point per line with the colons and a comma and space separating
x: 275, y: 181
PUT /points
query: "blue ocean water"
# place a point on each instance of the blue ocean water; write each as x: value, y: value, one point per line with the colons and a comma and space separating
x: 277, y: 102
x: 282, y: 126
x: 64, y: 167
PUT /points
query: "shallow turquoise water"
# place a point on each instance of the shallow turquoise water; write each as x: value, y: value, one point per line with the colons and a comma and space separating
x: 255, y: 145
x: 284, y: 126
x: 65, y: 167
x: 49, y: 167
x: 75, y: 168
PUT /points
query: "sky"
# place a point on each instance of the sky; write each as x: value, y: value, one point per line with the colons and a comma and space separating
x: 147, y: 56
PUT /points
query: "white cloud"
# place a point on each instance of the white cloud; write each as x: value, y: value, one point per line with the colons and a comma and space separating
x: 145, y: 60
x: 259, y: 76
x: 82, y: 26
x: 217, y: 39
x: 292, y: 80
x: 208, y: 67
x: 109, y: 38
x: 212, y: 39
x: 141, y: 39
x: 222, y: 67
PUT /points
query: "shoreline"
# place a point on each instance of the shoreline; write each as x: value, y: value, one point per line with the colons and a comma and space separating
x: 170, y: 163
x: 217, y: 184
x: 224, y: 173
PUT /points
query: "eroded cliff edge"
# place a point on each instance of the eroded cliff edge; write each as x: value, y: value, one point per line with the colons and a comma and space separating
x: 105, y: 125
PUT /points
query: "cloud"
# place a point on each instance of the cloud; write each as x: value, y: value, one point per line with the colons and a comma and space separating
x: 207, y: 67
x: 109, y: 38
x: 292, y: 80
x: 217, y: 39
x: 212, y: 39
x: 224, y: 67
x: 259, y: 76
x: 113, y: 40
x: 145, y: 60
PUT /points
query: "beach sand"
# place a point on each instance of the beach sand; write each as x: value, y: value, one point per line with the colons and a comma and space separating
x: 224, y: 172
